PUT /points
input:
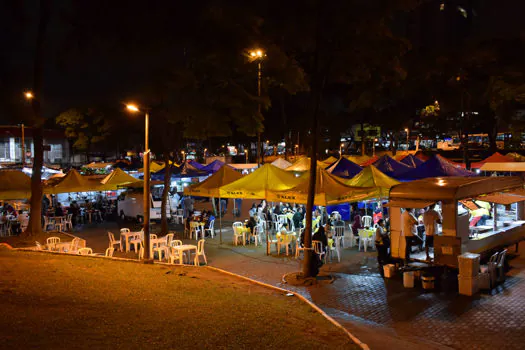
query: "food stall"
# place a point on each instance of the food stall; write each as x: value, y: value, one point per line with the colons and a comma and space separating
x: 459, y: 197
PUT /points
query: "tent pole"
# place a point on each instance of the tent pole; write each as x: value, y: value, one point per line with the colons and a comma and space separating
x: 220, y: 220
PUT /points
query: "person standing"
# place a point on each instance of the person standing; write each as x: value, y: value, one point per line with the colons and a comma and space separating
x: 431, y: 218
x: 408, y: 222
x: 382, y: 244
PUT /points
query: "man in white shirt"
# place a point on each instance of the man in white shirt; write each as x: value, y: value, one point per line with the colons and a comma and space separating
x: 408, y: 222
x: 431, y: 218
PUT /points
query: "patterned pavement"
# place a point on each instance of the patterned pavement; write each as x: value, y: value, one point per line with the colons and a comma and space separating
x: 384, y: 314
x: 381, y: 312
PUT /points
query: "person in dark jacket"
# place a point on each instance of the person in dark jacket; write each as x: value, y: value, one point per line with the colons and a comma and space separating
x: 320, y: 235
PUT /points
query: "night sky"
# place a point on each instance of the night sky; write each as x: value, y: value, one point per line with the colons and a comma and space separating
x: 107, y: 51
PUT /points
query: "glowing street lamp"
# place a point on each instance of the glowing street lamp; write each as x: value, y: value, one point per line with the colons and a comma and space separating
x: 341, y: 149
x: 408, y: 135
x: 29, y: 95
x: 146, y: 193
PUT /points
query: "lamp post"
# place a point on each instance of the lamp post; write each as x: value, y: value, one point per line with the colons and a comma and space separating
x: 341, y: 149
x: 374, y: 148
x: 146, y: 193
x: 257, y: 55
x: 408, y: 135
x: 29, y: 96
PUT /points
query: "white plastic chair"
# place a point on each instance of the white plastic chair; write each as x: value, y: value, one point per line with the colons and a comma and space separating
x: 336, y: 247
x: 200, y: 252
x: 349, y: 237
x: 318, y: 249
x: 137, y: 241
x: 109, y: 252
x: 174, y: 253
x: 68, y: 223
x: 113, y: 241
x: 48, y: 223
x: 364, y: 240
x: 237, y: 234
x: 283, y: 240
x: 257, y: 230
x: 298, y: 249
x: 179, y: 217
x: 74, y: 246
x: 366, y: 221
x: 51, y: 242
x: 85, y: 251
x: 210, y: 229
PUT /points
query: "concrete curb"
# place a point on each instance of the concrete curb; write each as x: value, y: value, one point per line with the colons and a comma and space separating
x: 312, y: 305
x: 282, y: 290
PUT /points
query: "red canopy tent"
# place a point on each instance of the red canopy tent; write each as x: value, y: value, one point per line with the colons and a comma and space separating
x: 495, y: 158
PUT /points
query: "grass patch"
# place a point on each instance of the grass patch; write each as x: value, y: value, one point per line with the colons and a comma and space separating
x: 54, y: 301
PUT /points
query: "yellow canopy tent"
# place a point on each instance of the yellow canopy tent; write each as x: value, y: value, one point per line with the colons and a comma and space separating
x: 14, y: 184
x: 73, y: 182
x: 358, y: 159
x: 210, y: 187
x: 372, y: 177
x: 329, y: 161
x: 329, y: 189
x: 94, y: 165
x: 258, y: 184
x: 154, y: 167
x: 118, y: 178
x: 303, y: 165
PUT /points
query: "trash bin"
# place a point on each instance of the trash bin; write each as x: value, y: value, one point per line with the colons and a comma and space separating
x: 428, y: 282
x: 408, y: 279
x: 389, y: 270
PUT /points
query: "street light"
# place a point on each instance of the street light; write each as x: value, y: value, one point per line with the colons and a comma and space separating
x: 146, y: 193
x: 408, y: 134
x: 29, y: 95
x: 183, y: 156
x: 258, y: 55
x: 296, y: 149
x: 374, y: 148
x: 341, y: 149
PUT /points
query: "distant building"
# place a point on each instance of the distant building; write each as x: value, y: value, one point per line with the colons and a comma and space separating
x: 11, y: 145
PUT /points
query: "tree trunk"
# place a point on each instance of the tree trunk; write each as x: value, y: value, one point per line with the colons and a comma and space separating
x: 167, y: 181
x: 363, y: 147
x: 493, y: 134
x: 309, y: 268
x: 35, y: 220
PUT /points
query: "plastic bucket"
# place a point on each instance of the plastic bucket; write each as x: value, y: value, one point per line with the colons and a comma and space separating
x: 428, y: 282
x: 408, y: 279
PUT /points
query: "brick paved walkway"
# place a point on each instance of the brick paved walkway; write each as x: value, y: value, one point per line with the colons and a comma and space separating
x: 381, y: 312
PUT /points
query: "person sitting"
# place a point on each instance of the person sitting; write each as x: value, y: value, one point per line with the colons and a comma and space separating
x: 9, y: 210
x: 251, y: 224
x: 277, y: 210
x: 320, y: 235
x: 356, y: 224
x: 297, y: 218
x: 59, y: 210
x: 253, y: 210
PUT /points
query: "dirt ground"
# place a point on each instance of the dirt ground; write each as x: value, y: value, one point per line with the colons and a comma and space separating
x: 27, y: 242
x: 54, y: 301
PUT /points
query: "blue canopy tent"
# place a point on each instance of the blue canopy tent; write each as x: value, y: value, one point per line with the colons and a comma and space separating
x: 196, y: 164
x: 213, y: 166
x: 412, y: 161
x: 344, y: 168
x: 436, y: 166
x: 391, y: 167
x: 178, y: 173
